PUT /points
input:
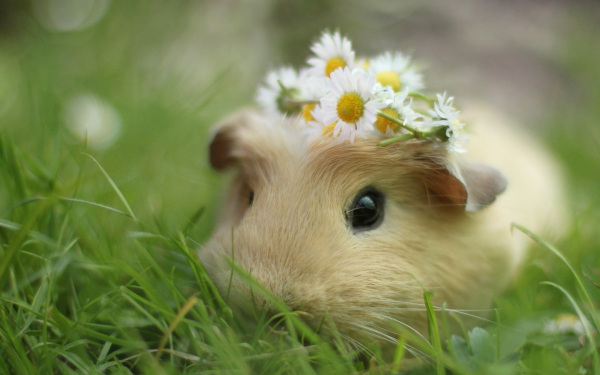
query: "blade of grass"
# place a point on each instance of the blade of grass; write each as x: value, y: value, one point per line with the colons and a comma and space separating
x: 192, y: 221
x: 581, y: 287
x: 19, y: 238
x: 105, y: 349
x: 10, y: 165
x: 108, y: 208
x: 207, y: 288
x: 157, y: 269
x: 584, y: 322
x: 132, y: 297
x: 65, y: 325
x: 399, y: 354
x: 190, y: 303
x: 40, y: 297
x: 15, y: 356
x: 434, y: 333
x: 33, y: 234
x: 115, y: 188
x: 77, y: 362
x: 231, y: 274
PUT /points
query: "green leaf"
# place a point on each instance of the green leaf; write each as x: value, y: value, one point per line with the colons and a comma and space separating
x: 482, y: 346
x: 460, y: 351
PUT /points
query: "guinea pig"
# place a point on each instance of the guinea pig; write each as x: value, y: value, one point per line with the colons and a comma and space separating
x: 355, y: 232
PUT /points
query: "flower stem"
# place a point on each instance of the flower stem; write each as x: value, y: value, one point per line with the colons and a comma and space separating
x: 399, y: 138
x: 395, y: 120
x: 284, y: 101
x: 436, y: 132
x: 428, y: 100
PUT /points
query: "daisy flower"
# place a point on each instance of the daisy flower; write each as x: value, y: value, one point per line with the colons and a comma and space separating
x: 384, y: 94
x: 444, y: 114
x: 316, y: 127
x: 272, y: 96
x: 349, y: 105
x: 397, y: 107
x: 331, y: 52
x: 457, y: 138
x: 394, y: 70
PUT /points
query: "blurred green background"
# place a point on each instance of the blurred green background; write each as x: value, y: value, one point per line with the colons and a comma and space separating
x: 138, y: 84
x: 148, y: 79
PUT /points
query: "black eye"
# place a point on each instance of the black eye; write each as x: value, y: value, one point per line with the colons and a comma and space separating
x: 366, y: 210
x: 250, y: 198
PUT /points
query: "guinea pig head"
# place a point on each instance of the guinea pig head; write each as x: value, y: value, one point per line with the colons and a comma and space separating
x: 350, y: 234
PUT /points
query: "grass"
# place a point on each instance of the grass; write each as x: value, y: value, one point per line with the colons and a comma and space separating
x: 98, y: 272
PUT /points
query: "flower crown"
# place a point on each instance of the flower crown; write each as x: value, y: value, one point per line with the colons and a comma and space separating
x: 342, y: 96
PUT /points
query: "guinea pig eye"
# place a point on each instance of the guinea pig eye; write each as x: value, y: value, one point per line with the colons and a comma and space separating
x: 250, y: 198
x: 366, y: 211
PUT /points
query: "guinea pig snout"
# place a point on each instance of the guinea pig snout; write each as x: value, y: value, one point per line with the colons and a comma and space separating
x: 268, y: 287
x: 256, y: 277
x: 273, y: 295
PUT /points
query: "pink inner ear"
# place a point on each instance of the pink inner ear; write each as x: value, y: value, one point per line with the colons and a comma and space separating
x: 444, y: 189
x: 468, y: 185
x: 220, y: 149
x: 225, y: 141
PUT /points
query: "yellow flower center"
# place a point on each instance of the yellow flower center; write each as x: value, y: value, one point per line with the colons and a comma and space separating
x: 382, y: 123
x: 389, y: 79
x: 350, y: 107
x: 328, y: 130
x: 306, y: 112
x: 332, y: 64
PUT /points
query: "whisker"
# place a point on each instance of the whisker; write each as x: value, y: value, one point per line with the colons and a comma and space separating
x: 419, y: 354
x: 357, y: 344
x: 376, y: 333
x: 477, y: 317
x: 411, y: 349
x: 419, y: 334
x: 463, y: 312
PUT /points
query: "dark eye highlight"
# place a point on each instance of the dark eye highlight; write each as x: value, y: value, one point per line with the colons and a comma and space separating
x: 366, y: 210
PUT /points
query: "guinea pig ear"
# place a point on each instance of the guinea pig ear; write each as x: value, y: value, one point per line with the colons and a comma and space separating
x: 464, y: 184
x: 481, y: 183
x: 225, y: 136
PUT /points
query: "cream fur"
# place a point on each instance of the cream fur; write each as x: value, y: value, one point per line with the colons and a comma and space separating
x: 295, y: 241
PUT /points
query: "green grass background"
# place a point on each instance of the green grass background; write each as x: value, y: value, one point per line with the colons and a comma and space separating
x: 97, y: 266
